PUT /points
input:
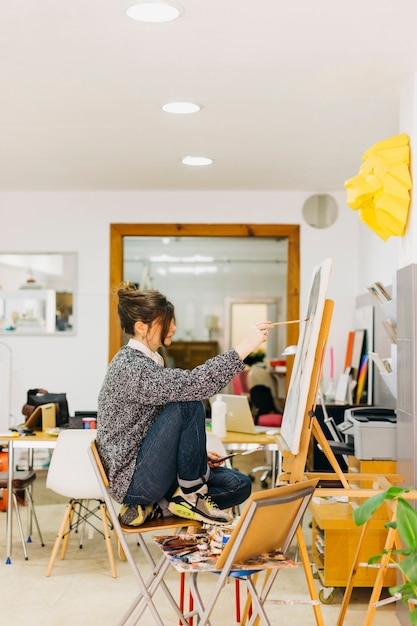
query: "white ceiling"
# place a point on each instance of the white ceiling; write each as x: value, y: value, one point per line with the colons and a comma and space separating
x: 293, y: 92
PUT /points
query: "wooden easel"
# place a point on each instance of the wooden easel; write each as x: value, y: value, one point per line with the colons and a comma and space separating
x: 294, y: 465
x: 294, y: 470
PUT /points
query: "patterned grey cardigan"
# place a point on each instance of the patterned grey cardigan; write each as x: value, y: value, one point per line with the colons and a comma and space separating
x: 134, y: 392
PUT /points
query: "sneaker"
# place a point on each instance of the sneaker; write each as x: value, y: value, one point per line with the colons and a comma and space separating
x: 136, y: 515
x: 198, y: 506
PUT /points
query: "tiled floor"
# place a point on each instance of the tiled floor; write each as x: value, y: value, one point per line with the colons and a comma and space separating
x: 81, y: 591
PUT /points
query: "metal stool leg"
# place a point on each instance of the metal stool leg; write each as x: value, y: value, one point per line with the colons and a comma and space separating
x: 19, y: 523
x: 33, y: 512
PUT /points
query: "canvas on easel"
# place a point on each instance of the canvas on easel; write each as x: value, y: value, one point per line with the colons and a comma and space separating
x: 302, y: 372
x: 294, y: 465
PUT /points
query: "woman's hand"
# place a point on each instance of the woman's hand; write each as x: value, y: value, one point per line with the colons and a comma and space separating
x: 214, y: 459
x: 257, y: 334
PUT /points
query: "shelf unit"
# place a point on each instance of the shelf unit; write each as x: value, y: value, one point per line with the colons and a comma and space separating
x: 34, y: 310
x: 335, y: 538
x: 389, y: 310
x: 189, y: 354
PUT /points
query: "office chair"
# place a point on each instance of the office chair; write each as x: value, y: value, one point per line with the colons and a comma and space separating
x: 239, y: 383
x: 22, y: 481
x: 265, y: 414
x: 144, y: 600
x: 71, y: 475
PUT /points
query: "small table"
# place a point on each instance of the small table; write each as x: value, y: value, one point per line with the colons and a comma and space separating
x: 242, y: 442
x: 232, y: 441
x: 40, y: 440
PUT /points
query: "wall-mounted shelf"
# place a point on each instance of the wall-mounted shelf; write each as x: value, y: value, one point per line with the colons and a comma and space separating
x: 190, y: 354
x: 28, y: 311
x: 387, y: 366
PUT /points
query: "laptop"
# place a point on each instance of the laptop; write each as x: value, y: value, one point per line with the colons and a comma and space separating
x: 239, y: 418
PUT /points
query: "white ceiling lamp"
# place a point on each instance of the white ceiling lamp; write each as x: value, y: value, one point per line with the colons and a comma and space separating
x: 181, y: 107
x: 154, y: 11
x: 195, y: 160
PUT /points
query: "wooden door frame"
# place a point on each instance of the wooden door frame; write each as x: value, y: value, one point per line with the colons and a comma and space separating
x: 119, y: 231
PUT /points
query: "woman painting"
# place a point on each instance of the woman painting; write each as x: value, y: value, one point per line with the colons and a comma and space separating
x: 151, y: 420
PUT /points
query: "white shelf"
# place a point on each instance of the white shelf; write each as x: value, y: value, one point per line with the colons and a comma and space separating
x: 35, y: 310
x: 391, y: 382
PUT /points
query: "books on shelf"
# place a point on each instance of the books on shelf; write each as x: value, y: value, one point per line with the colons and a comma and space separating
x: 379, y: 292
x: 391, y: 330
x: 388, y: 308
x: 362, y: 378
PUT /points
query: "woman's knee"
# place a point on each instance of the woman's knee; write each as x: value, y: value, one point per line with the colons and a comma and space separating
x: 246, y: 486
x: 192, y: 409
x: 229, y: 487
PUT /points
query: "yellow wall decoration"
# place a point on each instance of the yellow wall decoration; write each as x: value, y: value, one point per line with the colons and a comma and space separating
x: 381, y: 190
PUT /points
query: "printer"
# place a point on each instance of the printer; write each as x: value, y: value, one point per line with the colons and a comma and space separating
x: 370, y: 432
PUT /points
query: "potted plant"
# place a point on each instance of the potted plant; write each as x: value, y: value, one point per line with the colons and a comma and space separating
x: 406, y: 524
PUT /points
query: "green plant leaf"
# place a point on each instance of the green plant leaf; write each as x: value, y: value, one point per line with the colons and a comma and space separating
x: 409, y: 567
x: 375, y: 558
x: 364, y: 512
x: 407, y: 523
x: 391, y: 525
x: 403, y: 553
x: 408, y: 591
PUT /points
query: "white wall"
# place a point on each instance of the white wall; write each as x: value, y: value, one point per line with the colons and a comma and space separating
x: 408, y: 244
x: 379, y: 260
x: 79, y: 222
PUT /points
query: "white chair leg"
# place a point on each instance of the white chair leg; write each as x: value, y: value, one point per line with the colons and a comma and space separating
x: 61, y: 532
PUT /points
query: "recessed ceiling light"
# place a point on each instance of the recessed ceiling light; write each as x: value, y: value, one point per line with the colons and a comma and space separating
x: 154, y: 11
x: 181, y: 107
x: 190, y: 160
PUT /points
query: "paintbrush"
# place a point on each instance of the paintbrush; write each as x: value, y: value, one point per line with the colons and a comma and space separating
x: 290, y: 322
x: 229, y: 456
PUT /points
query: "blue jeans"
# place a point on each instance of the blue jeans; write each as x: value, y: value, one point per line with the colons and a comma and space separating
x: 174, y: 452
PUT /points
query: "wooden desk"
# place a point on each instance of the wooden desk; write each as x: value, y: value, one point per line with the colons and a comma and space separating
x: 41, y: 440
x: 244, y: 441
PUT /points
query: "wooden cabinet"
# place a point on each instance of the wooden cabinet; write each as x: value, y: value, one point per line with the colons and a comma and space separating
x: 335, y: 538
x: 189, y: 354
x: 362, y: 466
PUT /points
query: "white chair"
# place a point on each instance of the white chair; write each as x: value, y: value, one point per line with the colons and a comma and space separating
x: 71, y: 475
